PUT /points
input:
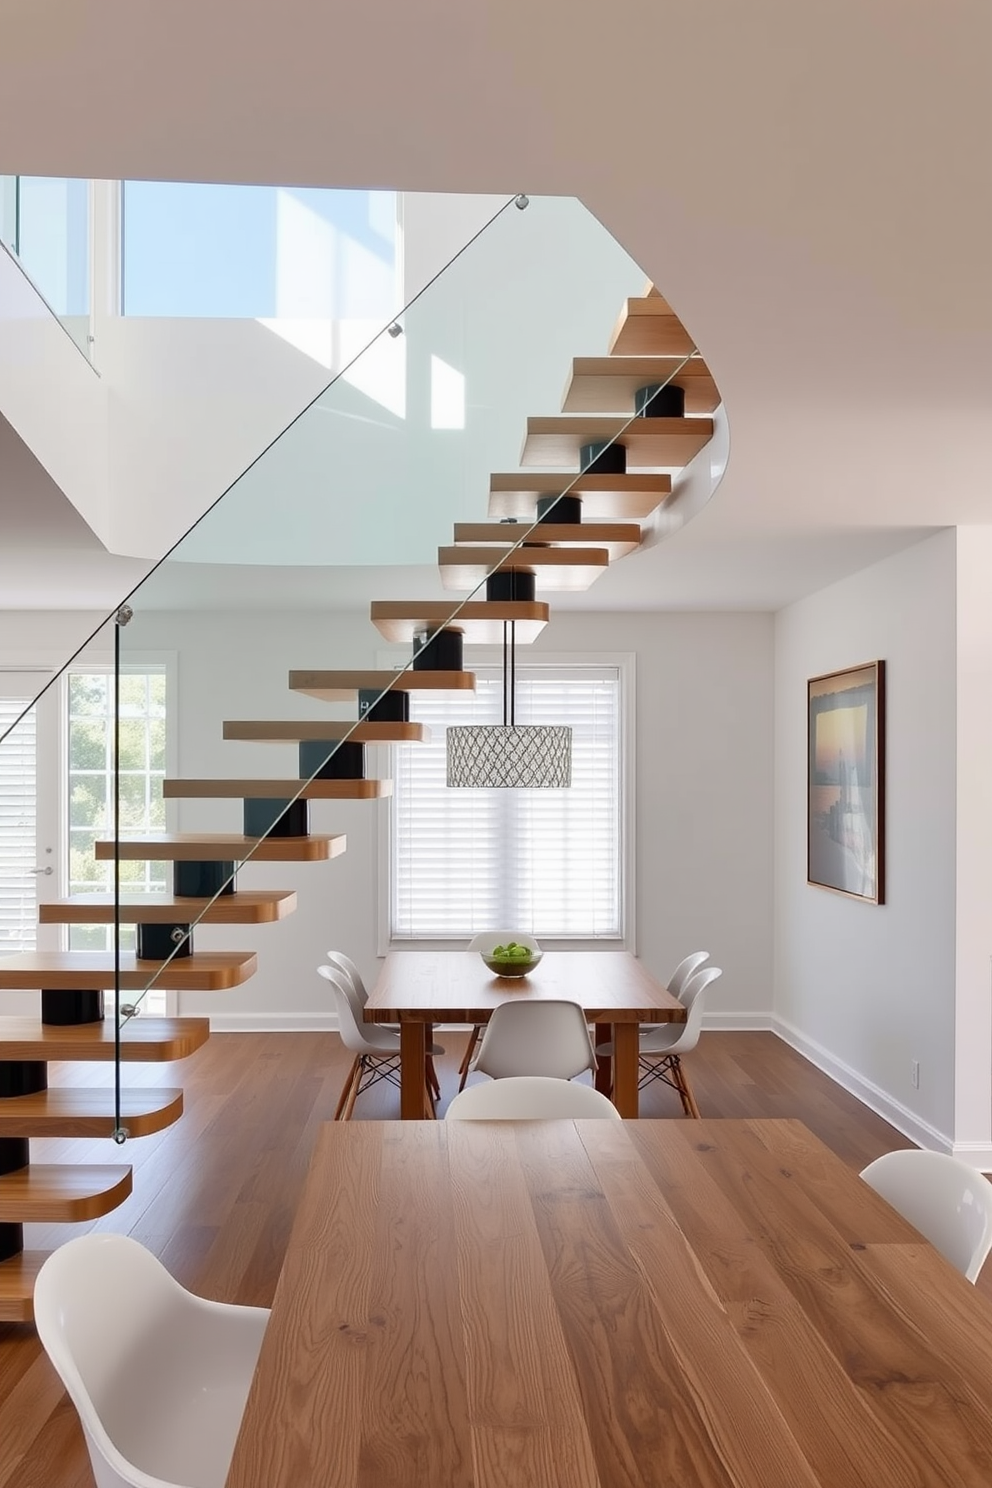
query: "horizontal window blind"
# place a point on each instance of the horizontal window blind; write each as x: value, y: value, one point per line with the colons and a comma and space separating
x: 545, y: 862
x: 18, y: 844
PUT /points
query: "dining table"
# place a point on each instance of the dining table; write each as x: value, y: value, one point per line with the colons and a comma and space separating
x: 417, y: 989
x: 611, y: 1304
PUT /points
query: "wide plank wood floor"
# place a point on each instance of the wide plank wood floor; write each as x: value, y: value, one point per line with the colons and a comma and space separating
x: 214, y: 1196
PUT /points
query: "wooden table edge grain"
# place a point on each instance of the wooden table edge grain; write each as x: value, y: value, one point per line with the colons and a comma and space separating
x: 646, y: 1241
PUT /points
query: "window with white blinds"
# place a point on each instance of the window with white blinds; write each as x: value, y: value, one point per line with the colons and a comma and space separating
x: 541, y: 861
x: 18, y: 845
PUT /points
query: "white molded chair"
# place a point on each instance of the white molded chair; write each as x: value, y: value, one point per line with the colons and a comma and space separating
x: 484, y: 942
x: 662, y: 1045
x: 529, y: 1098
x: 158, y: 1376
x: 536, y: 1038
x: 350, y: 971
x: 376, y: 1050
x: 685, y: 969
x: 947, y: 1200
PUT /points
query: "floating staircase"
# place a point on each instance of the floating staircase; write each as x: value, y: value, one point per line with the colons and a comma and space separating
x: 630, y: 421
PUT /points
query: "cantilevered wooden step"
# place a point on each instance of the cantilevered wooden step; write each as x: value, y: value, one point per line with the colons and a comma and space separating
x: 344, y: 686
x: 480, y: 621
x: 57, y: 1193
x: 17, y: 1279
x: 604, y: 497
x: 143, y: 1040
x: 88, y: 1112
x: 618, y: 538
x: 667, y: 442
x: 247, y: 907
x: 81, y: 971
x: 553, y: 568
x: 293, y: 731
x: 279, y: 790
x: 608, y: 384
x: 649, y: 327
x: 221, y: 847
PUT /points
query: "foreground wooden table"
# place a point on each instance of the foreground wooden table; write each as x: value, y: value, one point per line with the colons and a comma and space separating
x: 419, y: 988
x: 715, y: 1304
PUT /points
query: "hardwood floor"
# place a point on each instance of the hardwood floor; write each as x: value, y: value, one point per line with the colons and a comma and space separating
x: 214, y: 1196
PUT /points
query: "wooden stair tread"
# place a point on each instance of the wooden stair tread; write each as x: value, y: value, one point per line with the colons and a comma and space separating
x: 343, y: 686
x: 289, y: 731
x: 635, y: 495
x: 17, y: 1278
x: 288, y: 790
x: 553, y: 568
x: 203, y: 971
x: 151, y: 1040
x: 481, y: 621
x: 57, y: 1193
x: 221, y: 847
x: 618, y: 538
x: 247, y: 907
x: 62, y: 1111
x: 558, y: 438
x: 608, y: 384
x: 649, y: 327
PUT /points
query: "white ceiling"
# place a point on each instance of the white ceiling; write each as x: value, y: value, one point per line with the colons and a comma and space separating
x: 808, y: 184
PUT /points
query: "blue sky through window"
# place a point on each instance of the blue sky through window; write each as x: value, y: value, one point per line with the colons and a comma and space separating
x: 258, y: 251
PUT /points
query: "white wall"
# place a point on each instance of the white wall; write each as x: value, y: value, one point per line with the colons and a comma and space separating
x: 52, y: 396
x: 704, y: 792
x: 973, y: 1002
x: 865, y: 990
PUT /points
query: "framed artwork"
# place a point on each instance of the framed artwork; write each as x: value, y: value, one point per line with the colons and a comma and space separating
x: 845, y: 841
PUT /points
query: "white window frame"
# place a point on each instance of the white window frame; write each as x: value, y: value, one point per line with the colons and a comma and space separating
x: 102, y: 660
x: 492, y: 656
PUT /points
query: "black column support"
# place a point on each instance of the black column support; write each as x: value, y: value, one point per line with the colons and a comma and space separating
x: 660, y: 400
x: 64, y: 1007
x: 270, y: 817
x: 157, y: 942
x: 197, y: 879
x: 442, y: 652
x: 392, y: 707
x: 329, y: 759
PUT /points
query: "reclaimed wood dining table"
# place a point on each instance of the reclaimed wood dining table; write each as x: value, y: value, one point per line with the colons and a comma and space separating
x: 420, y: 988
x: 611, y: 1304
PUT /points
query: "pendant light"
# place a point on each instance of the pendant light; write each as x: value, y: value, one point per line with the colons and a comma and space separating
x: 509, y: 756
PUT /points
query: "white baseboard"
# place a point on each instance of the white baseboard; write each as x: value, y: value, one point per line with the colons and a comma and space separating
x: 870, y: 1094
x: 738, y: 1022
x: 979, y: 1154
x: 273, y: 1023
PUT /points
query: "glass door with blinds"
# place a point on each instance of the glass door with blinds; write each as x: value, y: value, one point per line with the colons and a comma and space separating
x: 548, y: 862
x: 30, y: 806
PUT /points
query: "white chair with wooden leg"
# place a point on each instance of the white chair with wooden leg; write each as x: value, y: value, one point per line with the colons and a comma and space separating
x: 662, y: 1045
x: 347, y: 966
x: 946, y: 1199
x: 158, y: 1376
x: 484, y: 942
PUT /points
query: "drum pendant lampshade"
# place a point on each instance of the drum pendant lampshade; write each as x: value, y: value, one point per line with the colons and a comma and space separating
x: 498, y: 756
x: 508, y: 755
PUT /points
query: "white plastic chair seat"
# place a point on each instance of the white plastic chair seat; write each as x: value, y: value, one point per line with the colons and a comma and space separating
x: 344, y: 964
x: 947, y: 1200
x: 158, y: 1376
x: 530, y: 1098
x: 536, y: 1038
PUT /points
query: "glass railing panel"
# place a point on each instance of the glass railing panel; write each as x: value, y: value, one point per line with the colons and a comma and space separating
x: 45, y: 221
x: 349, y: 507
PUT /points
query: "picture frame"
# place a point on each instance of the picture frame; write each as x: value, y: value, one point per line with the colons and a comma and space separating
x: 845, y: 782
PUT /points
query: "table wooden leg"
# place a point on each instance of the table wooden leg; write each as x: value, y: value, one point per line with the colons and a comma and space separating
x: 626, y: 1042
x: 602, y: 1033
x: 413, y: 1052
